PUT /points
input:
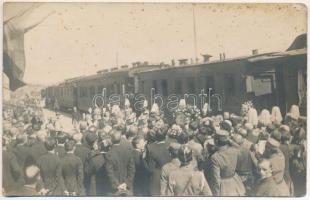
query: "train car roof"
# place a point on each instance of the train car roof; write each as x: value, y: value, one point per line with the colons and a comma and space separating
x: 286, y: 54
x: 147, y: 69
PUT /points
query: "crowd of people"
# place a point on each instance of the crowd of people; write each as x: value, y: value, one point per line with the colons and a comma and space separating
x: 115, y: 152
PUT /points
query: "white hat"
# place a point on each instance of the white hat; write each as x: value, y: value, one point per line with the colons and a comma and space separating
x: 127, y: 103
x: 155, y: 108
x: 276, y: 115
x: 145, y: 104
x: 294, y: 112
x: 182, y: 103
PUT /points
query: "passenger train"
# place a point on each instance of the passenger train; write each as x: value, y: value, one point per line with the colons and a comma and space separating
x: 269, y: 79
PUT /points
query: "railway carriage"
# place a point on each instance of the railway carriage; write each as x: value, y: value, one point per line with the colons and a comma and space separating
x: 266, y: 79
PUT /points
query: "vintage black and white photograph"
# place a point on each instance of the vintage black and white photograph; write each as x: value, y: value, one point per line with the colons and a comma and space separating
x: 154, y: 99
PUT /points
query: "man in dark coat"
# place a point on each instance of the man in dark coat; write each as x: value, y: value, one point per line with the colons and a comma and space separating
x: 72, y: 171
x: 120, y: 166
x: 38, y: 149
x: 96, y: 171
x: 156, y: 156
x: 60, y: 147
x: 80, y: 150
x: 11, y: 172
x: 50, y: 167
x: 141, y: 180
x: 21, y: 151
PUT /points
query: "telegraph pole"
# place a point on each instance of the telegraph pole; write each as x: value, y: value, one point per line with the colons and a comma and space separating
x: 195, y: 34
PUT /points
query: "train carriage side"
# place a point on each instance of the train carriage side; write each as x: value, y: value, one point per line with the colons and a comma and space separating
x: 222, y: 84
x: 111, y: 82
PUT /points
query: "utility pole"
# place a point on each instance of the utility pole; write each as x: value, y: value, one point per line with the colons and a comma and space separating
x: 195, y: 34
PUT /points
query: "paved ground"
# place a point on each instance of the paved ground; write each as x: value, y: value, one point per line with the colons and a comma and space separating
x: 65, y: 119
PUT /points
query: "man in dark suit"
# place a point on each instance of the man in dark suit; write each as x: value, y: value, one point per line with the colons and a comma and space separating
x: 120, y: 166
x: 95, y: 169
x: 80, y: 150
x: 50, y: 167
x: 21, y: 151
x: 72, y: 171
x: 141, y: 180
x: 38, y: 149
x: 156, y: 156
x: 11, y: 171
x: 60, y: 148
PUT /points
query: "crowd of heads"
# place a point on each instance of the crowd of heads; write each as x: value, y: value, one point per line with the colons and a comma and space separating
x: 99, y: 129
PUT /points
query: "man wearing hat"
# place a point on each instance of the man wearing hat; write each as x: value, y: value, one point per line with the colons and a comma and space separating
x: 277, y: 160
x: 221, y: 168
x: 186, y: 181
x: 169, y: 167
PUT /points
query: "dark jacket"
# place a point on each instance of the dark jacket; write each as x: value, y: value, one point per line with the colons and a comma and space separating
x: 81, y: 151
x: 11, y: 172
x: 157, y: 155
x: 50, y: 169
x: 72, y: 172
x: 141, y: 180
x: 96, y: 174
x: 22, y: 153
x: 60, y: 151
x: 120, y: 166
x: 36, y: 151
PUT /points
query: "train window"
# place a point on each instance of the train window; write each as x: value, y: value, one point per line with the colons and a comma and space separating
x: 154, y: 85
x: 164, y: 87
x: 178, y: 87
x: 191, y: 85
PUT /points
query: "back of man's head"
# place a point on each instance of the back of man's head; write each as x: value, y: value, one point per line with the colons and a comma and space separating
x: 61, y: 137
x: 50, y: 144
x: 69, y: 145
x: 116, y: 136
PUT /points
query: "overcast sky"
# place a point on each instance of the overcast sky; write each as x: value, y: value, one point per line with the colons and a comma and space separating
x: 82, y: 38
